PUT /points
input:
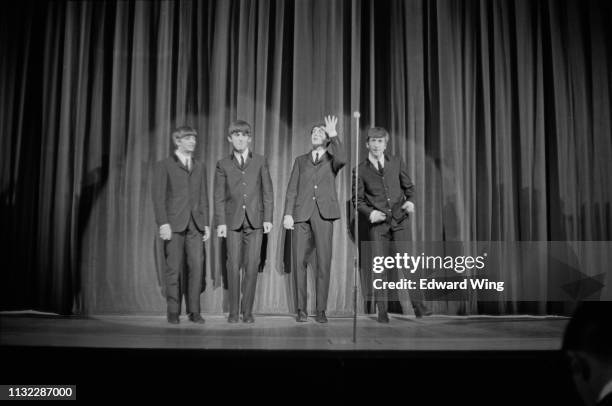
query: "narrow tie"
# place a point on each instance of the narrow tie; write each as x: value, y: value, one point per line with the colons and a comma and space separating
x: 241, y: 162
x: 380, y: 168
x: 316, y: 158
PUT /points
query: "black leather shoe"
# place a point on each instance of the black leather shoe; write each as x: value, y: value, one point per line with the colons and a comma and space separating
x: 248, y: 318
x: 421, y: 310
x: 301, y: 317
x: 383, y: 317
x: 320, y: 317
x: 233, y: 318
x: 196, y: 318
x: 173, y: 318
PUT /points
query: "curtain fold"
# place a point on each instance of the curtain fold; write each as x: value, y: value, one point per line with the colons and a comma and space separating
x: 501, y: 109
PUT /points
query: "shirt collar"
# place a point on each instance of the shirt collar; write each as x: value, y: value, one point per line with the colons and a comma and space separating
x: 374, y: 162
x: 314, y: 152
x: 184, y: 158
x: 245, y: 155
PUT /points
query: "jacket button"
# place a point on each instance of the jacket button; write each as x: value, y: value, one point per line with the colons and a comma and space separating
x: 243, y: 206
x: 314, y: 198
x: 315, y: 186
x: 243, y: 172
x: 244, y: 183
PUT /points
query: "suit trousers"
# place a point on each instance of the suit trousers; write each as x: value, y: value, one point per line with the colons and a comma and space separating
x: 387, y: 239
x: 185, y: 244
x: 243, y: 252
x: 319, y: 231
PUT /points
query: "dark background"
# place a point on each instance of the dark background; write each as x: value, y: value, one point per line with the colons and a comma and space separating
x: 501, y: 109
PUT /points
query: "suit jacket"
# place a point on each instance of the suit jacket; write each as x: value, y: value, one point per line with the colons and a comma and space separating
x: 314, y: 185
x: 387, y: 192
x: 179, y: 194
x: 240, y: 192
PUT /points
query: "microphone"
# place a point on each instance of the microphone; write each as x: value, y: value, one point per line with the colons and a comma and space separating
x: 356, y: 114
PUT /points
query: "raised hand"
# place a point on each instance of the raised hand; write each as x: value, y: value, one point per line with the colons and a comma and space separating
x: 330, y: 125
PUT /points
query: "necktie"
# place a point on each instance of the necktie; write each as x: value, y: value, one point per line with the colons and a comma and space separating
x: 188, y: 164
x: 241, y: 161
x: 380, y: 168
x: 316, y: 158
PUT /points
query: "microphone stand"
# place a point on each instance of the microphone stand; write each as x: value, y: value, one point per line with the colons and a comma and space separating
x: 356, y: 115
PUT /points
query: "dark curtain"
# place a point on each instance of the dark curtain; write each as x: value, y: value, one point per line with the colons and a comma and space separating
x: 500, y: 108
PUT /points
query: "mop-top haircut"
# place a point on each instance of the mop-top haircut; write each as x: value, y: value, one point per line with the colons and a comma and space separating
x: 183, y: 131
x: 377, y: 132
x: 239, y: 126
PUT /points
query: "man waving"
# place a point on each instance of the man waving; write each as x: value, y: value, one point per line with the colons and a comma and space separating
x: 311, y: 206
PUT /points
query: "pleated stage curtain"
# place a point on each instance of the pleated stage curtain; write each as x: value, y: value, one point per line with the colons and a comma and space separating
x: 500, y: 108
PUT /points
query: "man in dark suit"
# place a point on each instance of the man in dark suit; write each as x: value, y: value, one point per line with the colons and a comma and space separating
x: 588, y: 345
x: 384, y: 196
x: 311, y: 206
x: 244, y: 203
x: 180, y: 202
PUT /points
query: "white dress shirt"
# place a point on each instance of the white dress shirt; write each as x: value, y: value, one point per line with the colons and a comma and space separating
x: 375, y: 162
x: 244, y: 155
x: 315, y: 152
x: 185, y: 159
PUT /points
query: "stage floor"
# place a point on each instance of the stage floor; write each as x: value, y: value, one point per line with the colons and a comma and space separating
x: 403, y: 333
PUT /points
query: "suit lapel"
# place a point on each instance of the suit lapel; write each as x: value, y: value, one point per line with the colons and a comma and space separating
x: 384, y: 169
x: 237, y: 162
x: 234, y: 160
x: 368, y: 165
x: 195, y: 165
x: 322, y: 158
x: 389, y: 164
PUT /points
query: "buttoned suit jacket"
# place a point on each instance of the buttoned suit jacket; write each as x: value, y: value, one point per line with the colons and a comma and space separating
x: 387, y: 192
x: 240, y: 192
x: 314, y: 185
x: 179, y: 194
